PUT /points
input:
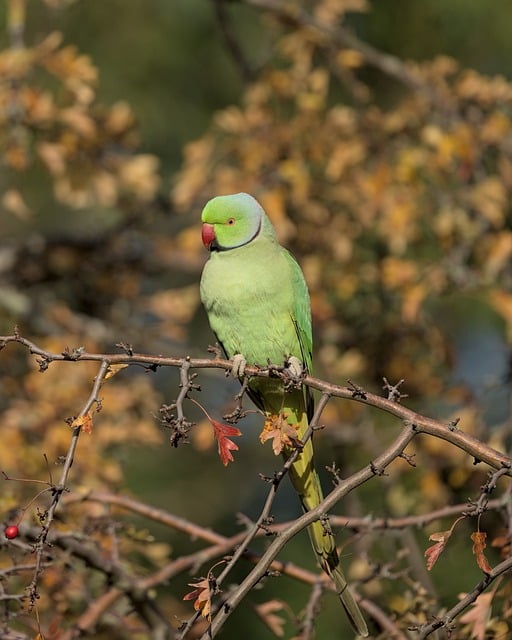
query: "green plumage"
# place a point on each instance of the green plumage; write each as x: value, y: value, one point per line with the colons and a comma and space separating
x: 257, y: 303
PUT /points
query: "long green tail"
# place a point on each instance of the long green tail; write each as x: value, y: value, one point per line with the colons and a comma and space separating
x: 307, y: 484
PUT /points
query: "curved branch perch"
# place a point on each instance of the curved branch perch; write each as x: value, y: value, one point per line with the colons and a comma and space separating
x: 413, y: 424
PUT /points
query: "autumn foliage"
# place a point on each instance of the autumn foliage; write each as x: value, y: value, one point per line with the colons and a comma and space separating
x: 396, y: 203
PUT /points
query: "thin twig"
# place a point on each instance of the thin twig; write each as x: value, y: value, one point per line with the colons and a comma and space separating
x: 220, y: 545
x: 500, y: 569
x: 232, y: 44
x: 91, y: 616
x: 59, y: 488
x: 265, y: 513
x: 307, y: 631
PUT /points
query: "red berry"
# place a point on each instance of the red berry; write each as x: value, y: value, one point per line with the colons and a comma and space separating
x: 11, y: 532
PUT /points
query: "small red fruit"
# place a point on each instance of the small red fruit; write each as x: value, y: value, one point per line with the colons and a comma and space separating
x: 11, y: 532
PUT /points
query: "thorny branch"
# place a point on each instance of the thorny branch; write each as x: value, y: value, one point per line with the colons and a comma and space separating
x: 341, y: 490
x: 135, y: 589
x: 449, y: 617
x: 60, y: 487
x: 421, y: 424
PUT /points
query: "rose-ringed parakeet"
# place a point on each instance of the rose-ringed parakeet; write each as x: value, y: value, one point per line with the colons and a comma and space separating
x: 258, y: 306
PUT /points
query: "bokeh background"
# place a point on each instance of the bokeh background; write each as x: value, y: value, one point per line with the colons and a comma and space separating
x: 378, y: 136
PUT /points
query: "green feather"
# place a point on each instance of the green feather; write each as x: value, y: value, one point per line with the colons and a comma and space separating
x: 258, y: 305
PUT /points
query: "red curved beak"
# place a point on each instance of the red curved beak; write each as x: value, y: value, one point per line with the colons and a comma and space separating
x: 207, y: 234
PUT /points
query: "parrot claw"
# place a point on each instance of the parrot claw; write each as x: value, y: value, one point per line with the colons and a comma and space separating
x: 295, y: 368
x: 239, y: 364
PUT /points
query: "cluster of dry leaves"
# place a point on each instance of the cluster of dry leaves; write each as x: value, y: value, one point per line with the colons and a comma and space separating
x: 51, y: 119
x: 389, y: 210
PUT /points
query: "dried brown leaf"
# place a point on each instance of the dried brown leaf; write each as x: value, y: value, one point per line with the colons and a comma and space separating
x: 281, y: 433
x: 479, y: 545
x: 432, y: 553
x: 202, y: 596
x: 85, y: 422
x: 440, y: 538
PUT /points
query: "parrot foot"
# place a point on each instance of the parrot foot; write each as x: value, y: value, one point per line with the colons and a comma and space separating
x: 295, y: 368
x: 239, y: 364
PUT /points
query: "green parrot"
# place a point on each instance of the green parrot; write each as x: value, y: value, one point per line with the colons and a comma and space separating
x: 258, y: 306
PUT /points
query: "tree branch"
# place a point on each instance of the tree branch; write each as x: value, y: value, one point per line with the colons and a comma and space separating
x: 421, y: 424
x: 343, y: 488
x: 232, y: 44
x: 449, y: 617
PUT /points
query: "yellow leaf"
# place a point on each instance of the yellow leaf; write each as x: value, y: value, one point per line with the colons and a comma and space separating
x: 495, y: 128
x: 113, y: 369
x: 85, y: 422
x: 139, y: 175
x: 79, y: 121
x: 177, y: 305
x: 13, y: 201
x: 489, y: 198
x: 202, y: 435
x: 105, y: 188
x: 412, y: 300
x: 397, y: 272
x: 230, y: 119
x: 350, y: 58
x: 120, y: 118
x: 53, y: 156
x: 497, y: 251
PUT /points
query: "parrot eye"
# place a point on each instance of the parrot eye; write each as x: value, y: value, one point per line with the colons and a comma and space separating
x: 231, y: 221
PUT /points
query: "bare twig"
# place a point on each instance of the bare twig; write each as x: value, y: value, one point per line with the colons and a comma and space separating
x: 388, y: 625
x: 278, y: 477
x: 91, y: 616
x: 307, y: 631
x: 369, y: 523
x: 124, y: 585
x: 499, y: 570
x: 59, y: 488
x: 393, y: 390
x: 220, y: 545
x: 482, y: 504
x: 232, y: 43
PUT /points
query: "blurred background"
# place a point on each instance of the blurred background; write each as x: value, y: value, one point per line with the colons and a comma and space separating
x: 378, y: 137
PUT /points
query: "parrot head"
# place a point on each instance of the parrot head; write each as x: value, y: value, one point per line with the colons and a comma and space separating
x: 231, y: 221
